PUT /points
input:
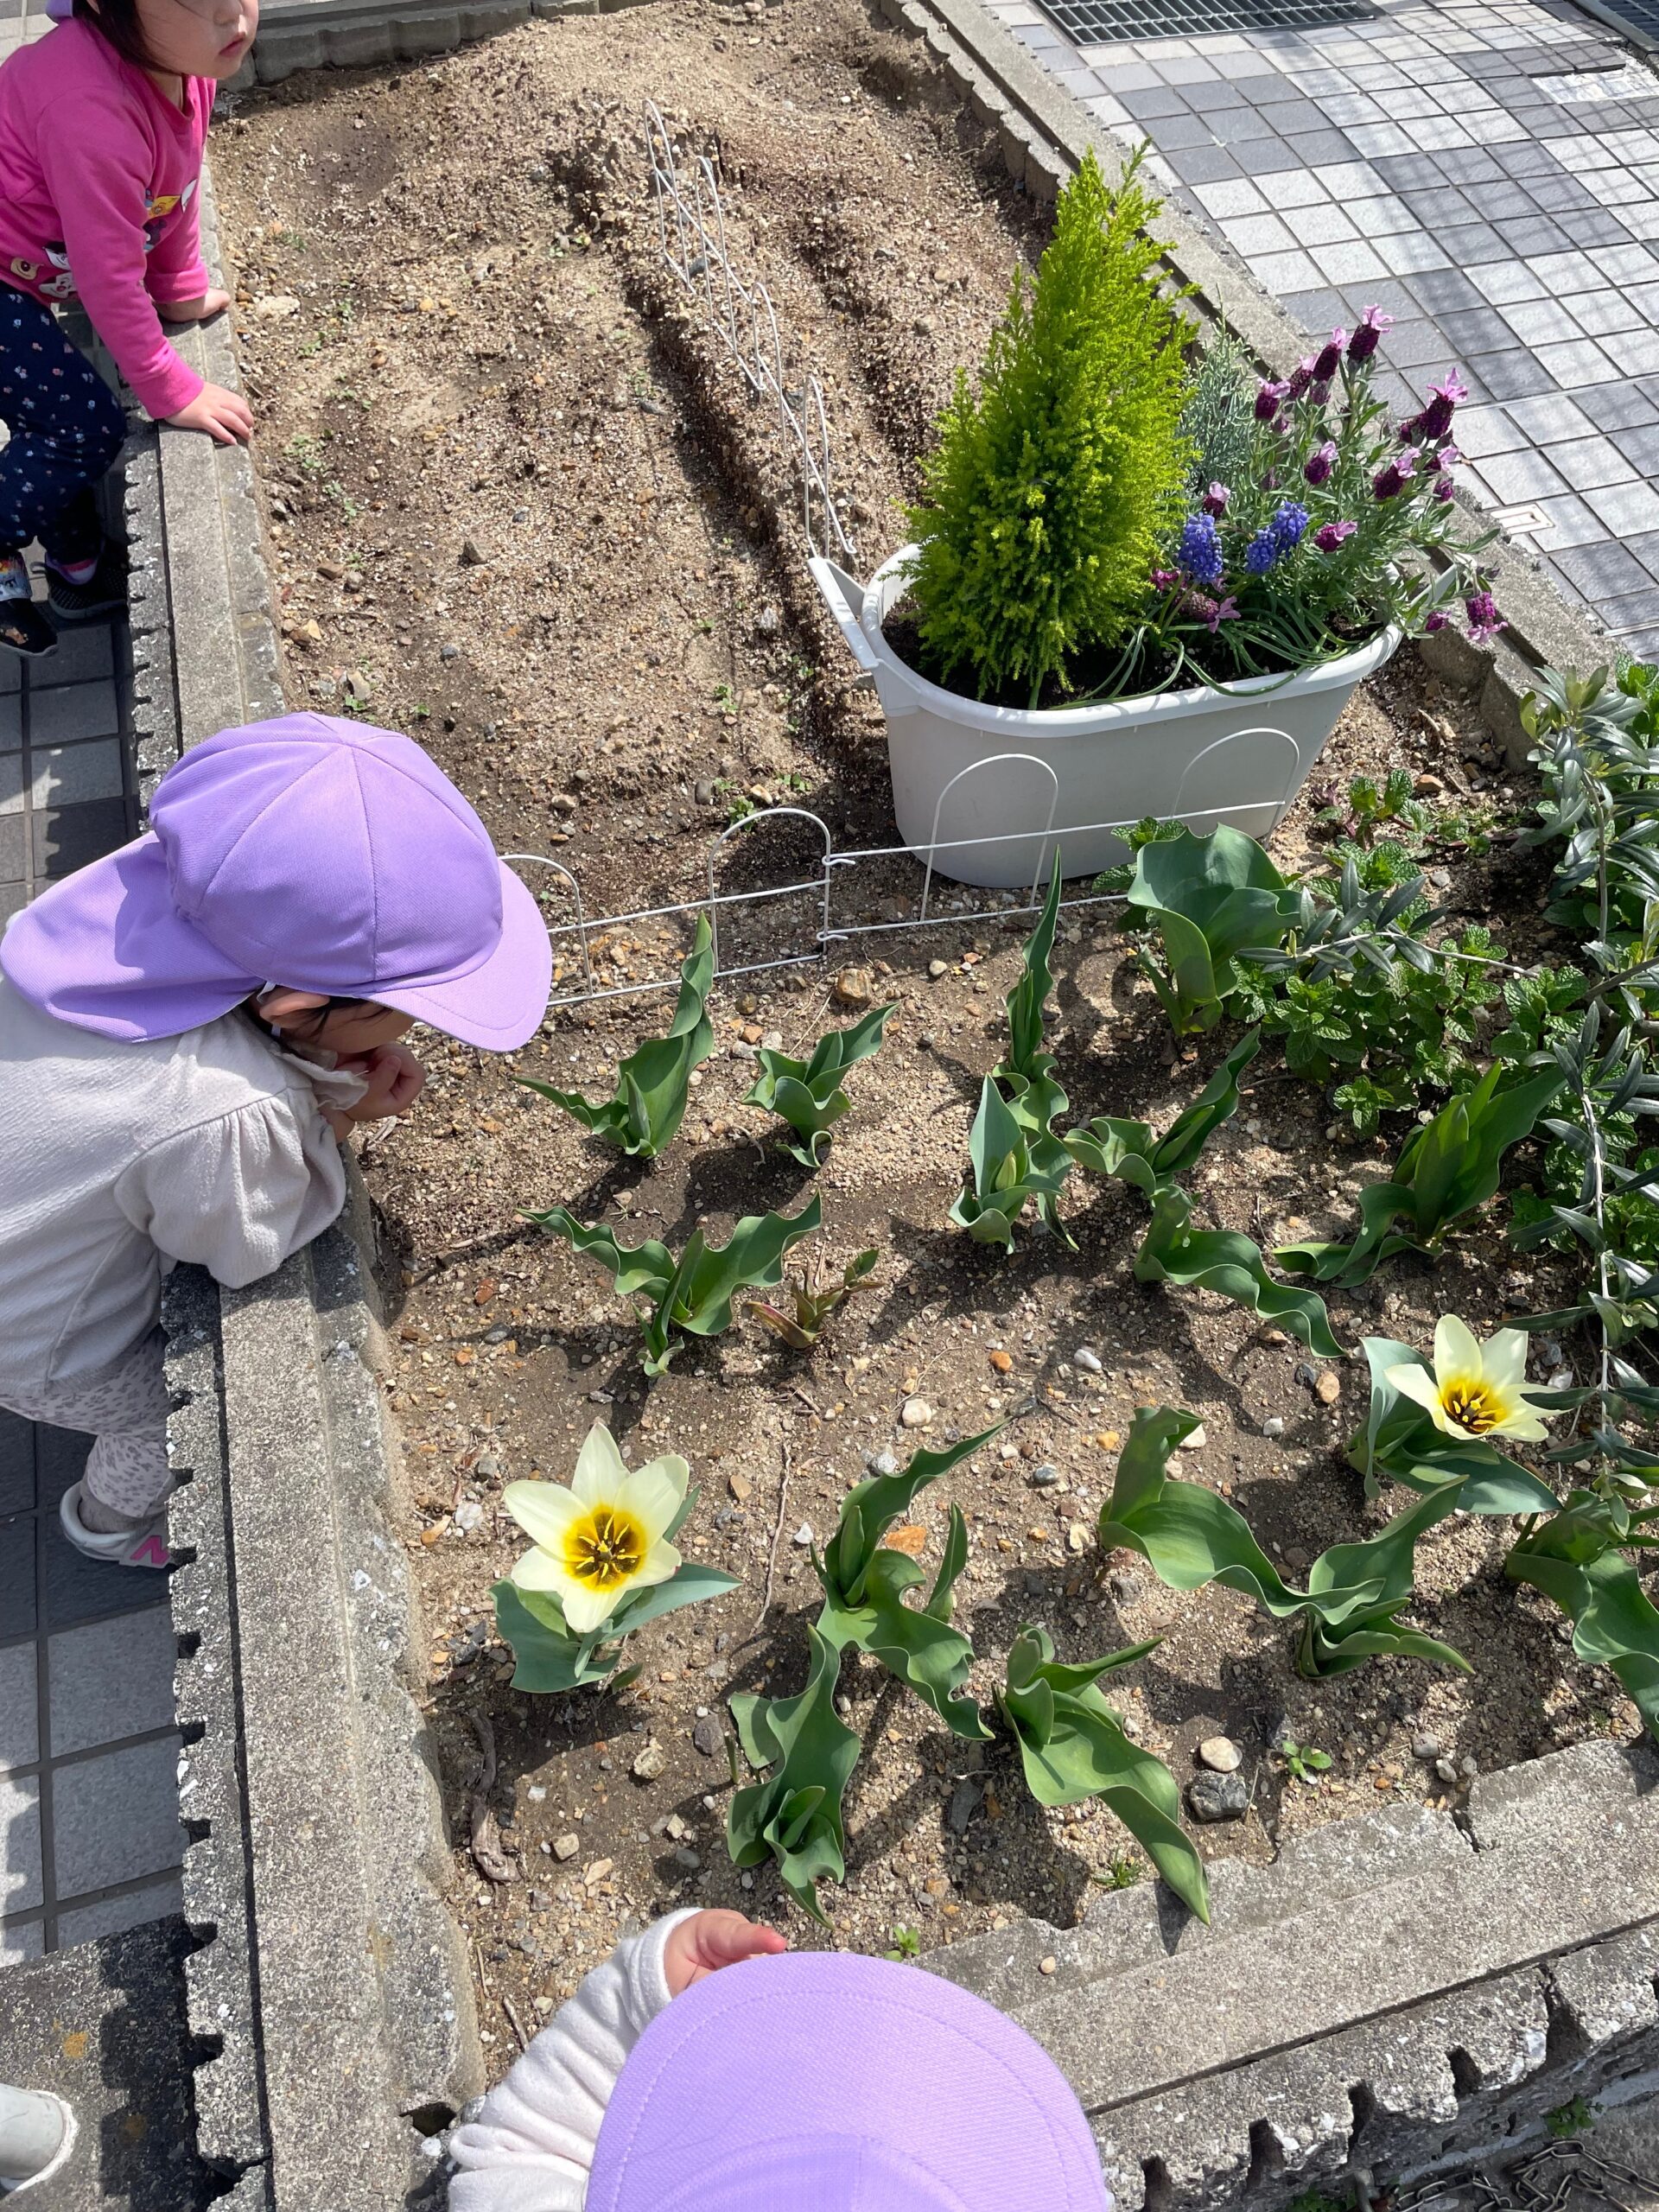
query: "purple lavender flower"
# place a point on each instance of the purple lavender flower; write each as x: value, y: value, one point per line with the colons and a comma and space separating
x: 1485, y: 621
x: 1448, y: 457
x: 1434, y: 621
x: 1445, y: 488
x: 1319, y: 463
x: 1261, y: 552
x: 1328, y: 359
x: 1331, y: 535
x: 1301, y: 377
x: 1389, y: 482
x: 1267, y: 401
x: 1368, y: 334
x: 1430, y: 427
x: 1321, y: 392
x: 1166, y: 579
x: 1289, y: 522
x: 1215, y: 500
x: 1199, y: 550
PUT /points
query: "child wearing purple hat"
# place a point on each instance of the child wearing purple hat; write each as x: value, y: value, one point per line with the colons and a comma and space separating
x: 698, y: 2070
x: 102, y: 125
x: 188, y: 1028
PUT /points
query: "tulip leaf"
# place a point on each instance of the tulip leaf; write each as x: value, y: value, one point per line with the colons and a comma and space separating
x: 1010, y: 1164
x: 1190, y: 1537
x: 1128, y: 1149
x: 549, y: 1657
x: 1446, y: 1167
x: 694, y: 1293
x: 1575, y: 1560
x: 645, y: 1113
x: 1028, y: 1066
x: 865, y: 1587
x: 794, y: 1814
x: 812, y: 1305
x: 1225, y: 1260
x: 807, y: 1094
x: 1399, y: 1441
x: 1073, y: 1746
x: 1209, y: 898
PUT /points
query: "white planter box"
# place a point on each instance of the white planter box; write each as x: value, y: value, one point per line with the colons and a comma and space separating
x: 988, y: 792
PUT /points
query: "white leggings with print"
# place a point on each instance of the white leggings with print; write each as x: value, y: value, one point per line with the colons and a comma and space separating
x: 123, y: 1409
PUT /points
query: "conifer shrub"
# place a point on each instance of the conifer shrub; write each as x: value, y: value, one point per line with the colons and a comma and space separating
x: 1051, y: 487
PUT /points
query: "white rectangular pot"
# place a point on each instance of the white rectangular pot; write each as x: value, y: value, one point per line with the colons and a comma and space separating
x: 990, y: 791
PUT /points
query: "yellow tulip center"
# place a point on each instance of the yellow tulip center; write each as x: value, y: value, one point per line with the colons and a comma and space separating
x: 604, y: 1548
x: 1472, y: 1405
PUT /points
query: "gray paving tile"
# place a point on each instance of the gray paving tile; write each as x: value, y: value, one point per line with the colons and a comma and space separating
x: 1515, y: 375
x: 110, y: 1678
x: 1502, y: 282
x: 1618, y: 407
x: 20, y: 1885
x: 1639, y: 443
x: 1637, y: 352
x: 1600, y: 314
x: 1626, y: 509
x: 1146, y: 107
x: 1523, y: 474
x: 1581, y: 361
x: 86, y: 651
x: 1482, y: 430
x: 20, y: 1942
x: 1571, y: 522
x: 16, y: 1463
x: 115, y: 1817
x: 18, y: 1577
x: 67, y: 837
x: 64, y: 775
x: 1287, y: 272
x: 1199, y: 165
x: 11, y: 782
x: 1552, y: 420
x: 1589, y: 464
x: 1469, y: 242
x: 1541, y: 323
x: 11, y: 721
x: 73, y: 711
x: 152, y: 1901
x: 20, y: 1740
x: 1253, y: 234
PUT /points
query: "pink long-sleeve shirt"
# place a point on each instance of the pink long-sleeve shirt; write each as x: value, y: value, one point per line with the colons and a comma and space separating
x: 98, y: 172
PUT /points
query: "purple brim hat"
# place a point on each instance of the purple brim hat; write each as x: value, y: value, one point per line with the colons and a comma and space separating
x: 828, y: 2082
x: 305, y: 851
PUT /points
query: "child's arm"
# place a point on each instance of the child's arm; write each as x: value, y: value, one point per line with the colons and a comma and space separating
x: 174, y: 273
x: 531, y: 2146
x: 237, y: 1194
x: 95, y: 161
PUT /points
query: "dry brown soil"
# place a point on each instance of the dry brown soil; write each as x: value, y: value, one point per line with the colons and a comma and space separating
x: 519, y: 503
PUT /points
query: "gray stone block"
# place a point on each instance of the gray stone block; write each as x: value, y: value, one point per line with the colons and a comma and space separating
x: 1607, y: 2003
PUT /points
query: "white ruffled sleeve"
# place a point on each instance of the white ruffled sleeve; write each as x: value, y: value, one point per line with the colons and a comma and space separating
x: 531, y: 2148
x: 238, y: 1193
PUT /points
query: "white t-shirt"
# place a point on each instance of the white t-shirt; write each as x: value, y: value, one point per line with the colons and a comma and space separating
x: 118, y: 1160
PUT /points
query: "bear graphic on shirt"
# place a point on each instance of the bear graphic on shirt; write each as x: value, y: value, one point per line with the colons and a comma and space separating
x: 62, y: 286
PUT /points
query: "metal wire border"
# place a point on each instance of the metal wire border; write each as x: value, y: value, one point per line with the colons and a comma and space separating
x: 691, y: 238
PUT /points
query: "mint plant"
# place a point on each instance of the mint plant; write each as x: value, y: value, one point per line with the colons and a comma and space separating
x: 1049, y: 490
x: 645, y: 1113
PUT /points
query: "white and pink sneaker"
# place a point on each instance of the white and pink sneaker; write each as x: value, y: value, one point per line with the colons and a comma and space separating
x: 142, y: 1547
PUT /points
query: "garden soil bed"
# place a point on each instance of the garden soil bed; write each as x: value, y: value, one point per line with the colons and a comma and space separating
x: 518, y: 505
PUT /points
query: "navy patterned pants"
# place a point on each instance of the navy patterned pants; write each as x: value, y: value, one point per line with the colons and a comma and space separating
x: 66, y: 428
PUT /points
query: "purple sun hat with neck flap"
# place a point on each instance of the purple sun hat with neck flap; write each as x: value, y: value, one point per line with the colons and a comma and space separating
x: 317, y: 854
x: 822, y: 2082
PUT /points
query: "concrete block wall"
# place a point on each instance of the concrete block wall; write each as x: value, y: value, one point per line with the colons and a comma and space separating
x: 1404, y: 1994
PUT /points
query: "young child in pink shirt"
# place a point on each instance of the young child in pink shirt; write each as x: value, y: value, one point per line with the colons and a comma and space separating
x: 102, y: 124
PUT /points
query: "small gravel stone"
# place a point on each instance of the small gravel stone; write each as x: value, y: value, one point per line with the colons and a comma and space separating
x: 1426, y: 1748
x: 917, y: 1414
x: 648, y: 1763
x: 707, y: 1738
x: 567, y: 1847
x: 1220, y: 1754
x: 1274, y: 1425
x: 1049, y: 1965
x: 687, y: 1858
x: 1044, y: 1477
x: 1468, y: 1766
x: 803, y: 1534
x: 883, y: 1463
x: 1197, y: 1441
x: 938, y: 967
x: 965, y: 1800
x: 1088, y: 1359
x: 468, y: 1514
x: 1446, y: 1769
x: 1218, y: 1797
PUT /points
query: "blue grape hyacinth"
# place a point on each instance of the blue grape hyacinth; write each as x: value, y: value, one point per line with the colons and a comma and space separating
x: 1261, y: 552
x: 1199, y: 550
x: 1287, y: 526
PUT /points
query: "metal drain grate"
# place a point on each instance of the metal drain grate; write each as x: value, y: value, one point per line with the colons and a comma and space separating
x: 1637, y: 20
x: 1097, y: 22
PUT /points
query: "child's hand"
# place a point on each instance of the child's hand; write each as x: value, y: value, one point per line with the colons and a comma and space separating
x: 709, y: 1940
x: 395, y: 1079
x: 197, y: 310
x: 226, y: 415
